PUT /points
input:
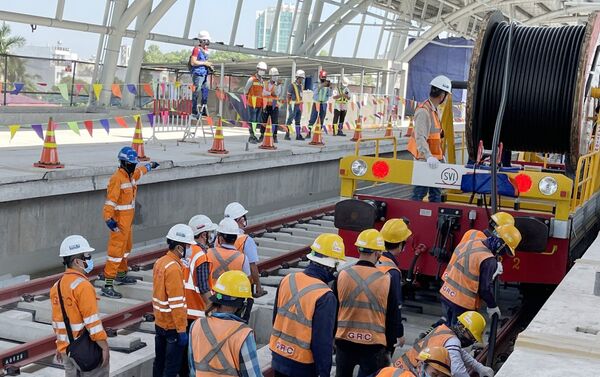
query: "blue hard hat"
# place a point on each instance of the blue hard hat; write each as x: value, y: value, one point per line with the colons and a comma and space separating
x: 129, y: 155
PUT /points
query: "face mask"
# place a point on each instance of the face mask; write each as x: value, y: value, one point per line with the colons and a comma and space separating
x: 261, y: 73
x: 88, y: 266
x: 188, y: 252
x: 129, y: 167
x: 212, y: 236
x: 322, y: 80
x: 274, y: 78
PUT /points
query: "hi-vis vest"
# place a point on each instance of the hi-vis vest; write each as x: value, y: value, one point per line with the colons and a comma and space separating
x: 193, y: 298
x: 436, y: 338
x: 461, y: 279
x: 240, y: 242
x: 385, y: 264
x: 255, y: 93
x: 341, y: 92
x: 470, y: 235
x: 216, y: 345
x: 394, y: 372
x: 223, y: 260
x: 292, y: 329
x: 363, y: 295
x: 434, y: 139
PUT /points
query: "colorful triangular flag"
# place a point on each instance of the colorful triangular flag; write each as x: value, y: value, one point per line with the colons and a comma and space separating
x: 13, y: 130
x: 74, y: 127
x: 121, y: 122
x: 132, y: 89
x: 89, y: 125
x: 97, y: 90
x: 105, y: 124
x: 38, y: 130
x: 64, y: 92
x: 116, y: 90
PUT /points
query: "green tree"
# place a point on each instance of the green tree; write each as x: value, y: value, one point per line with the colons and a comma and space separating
x: 16, y: 67
x: 153, y: 54
x: 8, y: 41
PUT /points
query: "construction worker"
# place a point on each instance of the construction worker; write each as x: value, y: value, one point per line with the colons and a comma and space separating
x: 468, y: 330
x: 272, y: 93
x: 200, y: 68
x: 294, y: 99
x: 496, y: 220
x: 245, y: 244
x: 321, y: 94
x: 470, y: 277
x: 432, y: 362
x: 196, y: 272
x: 341, y: 98
x: 304, y: 314
x: 369, y: 321
x: 168, y: 300
x: 78, y: 298
x: 224, y: 256
x: 221, y: 343
x: 425, y: 143
x: 119, y: 210
x: 254, y: 94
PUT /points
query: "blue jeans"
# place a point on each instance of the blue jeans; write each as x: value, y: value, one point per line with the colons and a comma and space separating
x: 419, y: 192
x: 201, y: 84
x: 254, y: 116
x: 321, y: 113
x: 295, y: 115
x: 167, y: 359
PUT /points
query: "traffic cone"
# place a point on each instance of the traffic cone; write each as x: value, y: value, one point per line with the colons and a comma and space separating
x: 268, y: 139
x: 138, y: 141
x: 411, y: 127
x: 358, y: 130
x: 317, y: 138
x: 388, y: 129
x: 218, y: 146
x: 49, y: 158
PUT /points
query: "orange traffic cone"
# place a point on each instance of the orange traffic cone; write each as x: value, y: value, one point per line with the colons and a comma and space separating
x: 388, y: 130
x: 138, y: 142
x: 49, y: 158
x: 218, y: 146
x: 268, y: 139
x: 358, y: 130
x: 317, y: 138
x: 411, y: 127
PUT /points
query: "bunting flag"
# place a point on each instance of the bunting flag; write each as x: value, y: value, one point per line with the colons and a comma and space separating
x: 38, y: 130
x: 136, y: 117
x: 116, y: 90
x: 121, y: 122
x: 209, y: 121
x: 13, y: 130
x: 254, y: 127
x: 64, y: 92
x: 18, y: 87
x: 148, y: 90
x: 89, y: 125
x: 78, y: 88
x: 42, y: 83
x: 177, y: 84
x: 245, y: 124
x: 132, y: 89
x: 97, y: 90
x: 74, y: 127
x: 151, y: 119
x: 105, y: 124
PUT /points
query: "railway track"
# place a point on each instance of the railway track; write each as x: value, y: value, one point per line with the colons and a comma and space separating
x: 25, y: 314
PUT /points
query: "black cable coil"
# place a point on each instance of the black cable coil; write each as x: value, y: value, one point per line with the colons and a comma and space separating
x: 541, y: 88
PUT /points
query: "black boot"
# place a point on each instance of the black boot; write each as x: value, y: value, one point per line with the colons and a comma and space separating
x: 287, y: 136
x: 275, y: 139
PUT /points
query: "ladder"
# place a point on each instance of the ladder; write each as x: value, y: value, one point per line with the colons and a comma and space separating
x: 189, y: 134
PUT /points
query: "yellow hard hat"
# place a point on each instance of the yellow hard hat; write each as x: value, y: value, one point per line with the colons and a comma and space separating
x: 395, y: 231
x: 474, y: 323
x: 502, y: 218
x: 328, y: 249
x: 510, y: 235
x: 438, y: 358
x: 233, y: 283
x: 370, y: 239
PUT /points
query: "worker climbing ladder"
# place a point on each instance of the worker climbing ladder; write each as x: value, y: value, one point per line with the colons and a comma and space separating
x: 191, y: 130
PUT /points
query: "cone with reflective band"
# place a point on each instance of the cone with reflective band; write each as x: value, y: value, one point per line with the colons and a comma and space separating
x: 49, y: 158
x: 138, y: 142
x: 218, y: 146
x: 358, y: 130
x: 317, y: 138
x: 388, y: 130
x: 268, y: 138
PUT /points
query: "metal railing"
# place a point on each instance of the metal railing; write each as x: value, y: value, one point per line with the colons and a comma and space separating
x: 587, y: 179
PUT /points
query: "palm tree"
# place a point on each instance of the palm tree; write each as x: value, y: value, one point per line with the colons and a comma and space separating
x: 16, y: 70
x: 7, y: 41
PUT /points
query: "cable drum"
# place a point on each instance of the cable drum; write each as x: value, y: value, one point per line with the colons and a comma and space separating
x: 549, y: 67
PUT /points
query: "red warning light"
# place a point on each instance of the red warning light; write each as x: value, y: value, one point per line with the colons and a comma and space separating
x: 523, y: 182
x: 380, y: 169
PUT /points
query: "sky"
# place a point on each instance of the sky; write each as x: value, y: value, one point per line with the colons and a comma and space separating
x: 216, y: 16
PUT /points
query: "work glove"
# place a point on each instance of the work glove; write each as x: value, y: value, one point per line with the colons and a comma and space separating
x: 154, y: 164
x: 492, y: 311
x: 499, y: 271
x: 182, y: 339
x: 433, y: 162
x: 112, y: 225
x: 484, y: 371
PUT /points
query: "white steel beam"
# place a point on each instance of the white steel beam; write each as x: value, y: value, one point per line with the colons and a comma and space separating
x: 293, y: 27
x: 188, y: 19
x: 60, y: 9
x: 236, y: 21
x: 275, y: 26
x: 316, y: 16
x: 302, y: 26
x: 359, y: 36
x: 567, y: 11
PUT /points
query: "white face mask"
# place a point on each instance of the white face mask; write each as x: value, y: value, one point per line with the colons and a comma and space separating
x: 261, y: 72
x: 188, y: 252
x: 274, y: 78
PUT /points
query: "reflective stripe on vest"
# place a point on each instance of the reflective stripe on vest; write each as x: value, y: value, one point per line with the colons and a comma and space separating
x: 394, y: 372
x: 292, y: 329
x: 225, y: 264
x: 434, y: 139
x: 296, y: 92
x: 256, y: 91
x: 341, y: 99
x: 436, y: 338
x: 240, y: 242
x: 195, y: 303
x: 461, y: 284
x: 385, y: 264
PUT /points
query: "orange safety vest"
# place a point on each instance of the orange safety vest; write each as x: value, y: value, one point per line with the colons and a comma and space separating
x: 461, y: 279
x: 434, y: 139
x: 120, y: 195
x: 79, y: 298
x: 385, y: 264
x: 470, y: 235
x: 256, y: 92
x: 193, y: 297
x: 240, y: 242
x: 292, y: 329
x: 271, y: 87
x: 222, y: 260
x: 363, y: 295
x: 216, y: 345
x: 436, y: 338
x: 394, y: 372
x: 168, y: 296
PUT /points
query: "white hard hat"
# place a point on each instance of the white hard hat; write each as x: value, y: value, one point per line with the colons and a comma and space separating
x: 74, y: 245
x: 234, y: 210
x: 203, y: 35
x: 273, y: 71
x: 181, y: 233
x: 201, y: 223
x: 442, y: 82
x: 300, y: 73
x: 228, y: 226
x: 261, y: 65
x: 345, y: 81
